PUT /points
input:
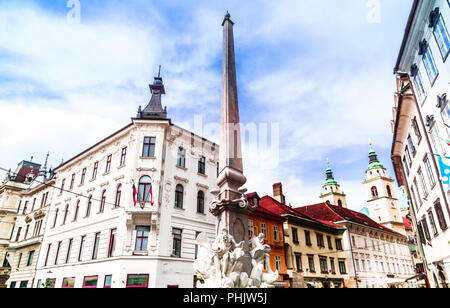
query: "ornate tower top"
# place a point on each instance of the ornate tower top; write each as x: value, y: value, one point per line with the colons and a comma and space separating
x: 154, y: 109
x: 373, y: 159
x: 330, y: 179
x: 331, y: 190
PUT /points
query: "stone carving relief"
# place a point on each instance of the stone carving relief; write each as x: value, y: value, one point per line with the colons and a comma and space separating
x: 219, y: 265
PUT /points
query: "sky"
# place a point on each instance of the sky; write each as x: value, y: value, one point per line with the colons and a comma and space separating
x: 318, y: 75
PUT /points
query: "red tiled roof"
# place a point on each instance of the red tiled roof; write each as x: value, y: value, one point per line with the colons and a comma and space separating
x: 329, y: 212
x: 279, y: 208
x: 407, y: 223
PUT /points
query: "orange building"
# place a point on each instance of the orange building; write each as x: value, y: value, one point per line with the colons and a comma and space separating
x: 262, y: 220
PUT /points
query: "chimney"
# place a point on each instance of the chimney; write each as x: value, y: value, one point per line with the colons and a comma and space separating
x: 278, y: 193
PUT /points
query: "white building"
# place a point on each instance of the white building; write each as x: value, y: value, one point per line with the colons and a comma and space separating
x: 421, y: 128
x: 97, y: 237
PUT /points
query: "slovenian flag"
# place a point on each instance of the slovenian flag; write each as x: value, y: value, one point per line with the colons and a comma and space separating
x: 134, y: 195
x: 444, y: 166
x: 151, y: 194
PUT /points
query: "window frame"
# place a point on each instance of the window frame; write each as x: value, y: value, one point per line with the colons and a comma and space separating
x: 127, y: 286
x: 177, y: 242
x: 90, y: 287
x: 149, y: 147
x: 444, y: 28
x: 143, y: 237
x: 123, y: 157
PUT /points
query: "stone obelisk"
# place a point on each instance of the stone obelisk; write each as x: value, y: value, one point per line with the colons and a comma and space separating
x: 230, y: 205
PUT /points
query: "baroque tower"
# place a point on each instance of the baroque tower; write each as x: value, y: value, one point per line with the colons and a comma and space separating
x: 331, y: 190
x: 382, y: 203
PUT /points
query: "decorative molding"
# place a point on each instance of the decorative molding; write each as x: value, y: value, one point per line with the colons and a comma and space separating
x: 177, y: 178
x: 119, y: 177
x: 90, y: 189
x: 146, y: 169
x: 104, y: 184
x: 206, y: 187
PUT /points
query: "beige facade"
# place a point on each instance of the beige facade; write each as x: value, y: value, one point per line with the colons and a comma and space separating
x: 28, y: 232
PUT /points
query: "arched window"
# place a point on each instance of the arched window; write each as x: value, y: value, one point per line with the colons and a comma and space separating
x: 118, y: 194
x: 144, y: 188
x: 102, y: 202
x: 88, y: 207
x: 181, y: 159
x: 179, y: 197
x: 374, y: 192
x: 340, y: 202
x: 200, y: 202
x: 389, y: 191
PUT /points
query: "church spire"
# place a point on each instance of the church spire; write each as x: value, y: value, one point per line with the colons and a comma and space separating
x: 154, y: 109
x: 231, y: 177
x: 330, y: 179
x: 373, y: 158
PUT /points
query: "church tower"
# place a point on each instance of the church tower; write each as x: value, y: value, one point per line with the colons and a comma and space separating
x: 382, y: 203
x: 331, y: 190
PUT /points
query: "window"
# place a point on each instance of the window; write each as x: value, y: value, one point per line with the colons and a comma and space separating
x: 374, y: 192
x: 137, y: 281
x: 442, y: 37
x: 201, y: 165
x: 62, y: 186
x: 83, y: 176
x: 112, y: 243
x: 176, y: 248
x: 278, y: 263
x: 49, y: 246
x: 149, y: 147
x: 145, y: 184
x: 118, y: 195
x: 80, y: 252
x: 88, y: 208
x: 440, y: 216
x: 353, y: 241
x: 425, y: 229
x: 432, y: 222
x: 294, y: 235
x: 264, y: 230
x: 298, y: 262
x: 429, y: 171
x: 333, y: 269
x: 311, y: 263
x: 422, y: 182
x: 77, y: 209
x: 342, y: 268
x: 357, y: 265
x: 94, y: 171
x: 250, y: 228
x: 108, y: 280
x: 20, y: 260
x: 308, y: 238
x: 23, y: 284
x: 58, y: 248
x: 276, y: 234
x: 445, y: 113
x: 330, y: 246
x: 108, y: 163
x: 90, y: 282
x: 96, y: 244
x: 408, y: 156
x: 320, y: 241
x: 123, y: 157
x: 196, y: 246
x: 30, y: 258
x: 179, y: 197
x: 430, y: 66
x: 66, y: 211
x: 34, y: 202
x: 102, y: 202
x: 181, y: 159
x: 416, y: 129
x: 323, y: 265
x: 56, y: 218
x: 68, y: 283
x: 72, y: 181
x: 437, y: 140
x: 50, y: 283
x: 142, y: 238
x: 69, y: 248
x: 338, y: 244
x: 25, y: 208
x: 389, y: 192
x: 12, y: 285
x: 200, y: 202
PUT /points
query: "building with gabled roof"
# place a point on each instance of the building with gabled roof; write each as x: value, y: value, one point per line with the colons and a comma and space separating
x: 378, y: 257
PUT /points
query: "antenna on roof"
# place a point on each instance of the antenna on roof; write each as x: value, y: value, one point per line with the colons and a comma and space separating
x: 31, y: 159
x: 159, y: 72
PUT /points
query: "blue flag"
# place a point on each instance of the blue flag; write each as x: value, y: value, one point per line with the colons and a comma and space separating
x: 445, y: 169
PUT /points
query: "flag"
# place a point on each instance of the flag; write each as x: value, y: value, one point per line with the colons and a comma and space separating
x: 134, y: 195
x: 444, y: 166
x: 151, y: 194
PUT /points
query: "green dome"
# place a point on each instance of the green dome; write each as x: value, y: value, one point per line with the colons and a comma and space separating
x: 330, y: 179
x: 374, y: 162
x: 375, y: 165
x: 365, y: 211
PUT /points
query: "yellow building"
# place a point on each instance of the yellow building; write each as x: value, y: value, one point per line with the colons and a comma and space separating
x: 10, y: 191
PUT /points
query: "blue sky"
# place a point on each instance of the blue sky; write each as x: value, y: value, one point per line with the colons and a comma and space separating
x: 320, y: 70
